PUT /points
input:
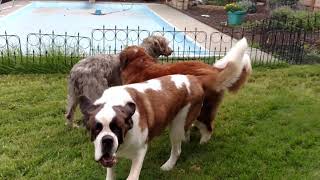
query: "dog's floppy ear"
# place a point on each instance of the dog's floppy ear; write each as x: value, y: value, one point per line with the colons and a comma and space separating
x: 130, y: 108
x: 127, y: 112
x: 123, y: 59
x: 86, y: 105
x: 157, y: 46
x: 129, y: 54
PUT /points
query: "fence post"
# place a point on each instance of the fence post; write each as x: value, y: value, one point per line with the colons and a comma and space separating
x: 115, y: 40
x: 103, y: 39
x: 184, y: 51
x: 20, y: 50
x: 127, y: 36
x: 138, y: 35
x: 40, y: 44
x: 52, y: 43
x: 194, y: 45
x: 174, y: 37
x: 78, y: 45
x: 7, y: 43
x: 65, y: 49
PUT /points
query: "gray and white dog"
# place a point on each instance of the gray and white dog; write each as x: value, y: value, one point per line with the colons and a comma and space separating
x: 92, y: 75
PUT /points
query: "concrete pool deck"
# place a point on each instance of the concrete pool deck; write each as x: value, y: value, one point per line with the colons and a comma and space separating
x: 170, y: 15
x: 184, y: 21
x: 219, y: 41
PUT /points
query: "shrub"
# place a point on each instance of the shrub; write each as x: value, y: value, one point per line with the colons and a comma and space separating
x: 284, y: 11
x: 297, y: 18
x: 312, y: 52
x: 311, y: 58
x: 248, y: 6
x: 278, y: 3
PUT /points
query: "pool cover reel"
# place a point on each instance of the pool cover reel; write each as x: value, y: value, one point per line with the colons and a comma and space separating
x: 99, y: 11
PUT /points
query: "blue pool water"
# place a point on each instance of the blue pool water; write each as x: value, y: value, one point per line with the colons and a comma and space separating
x: 77, y: 17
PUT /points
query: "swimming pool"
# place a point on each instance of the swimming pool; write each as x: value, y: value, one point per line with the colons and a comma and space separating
x: 77, y: 17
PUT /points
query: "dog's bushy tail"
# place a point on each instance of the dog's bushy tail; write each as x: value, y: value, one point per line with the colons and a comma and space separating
x: 245, y: 74
x: 232, y: 66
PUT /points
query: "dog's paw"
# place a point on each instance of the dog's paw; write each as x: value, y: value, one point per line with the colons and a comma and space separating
x: 187, y: 136
x: 167, y: 166
x: 75, y: 125
x: 132, y: 178
x: 205, y: 138
x: 71, y: 125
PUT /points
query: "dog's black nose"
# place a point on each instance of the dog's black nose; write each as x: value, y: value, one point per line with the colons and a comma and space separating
x: 107, y: 140
x: 107, y: 143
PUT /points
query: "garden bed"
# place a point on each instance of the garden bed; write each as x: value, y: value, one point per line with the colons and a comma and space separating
x: 281, y: 35
x: 218, y: 16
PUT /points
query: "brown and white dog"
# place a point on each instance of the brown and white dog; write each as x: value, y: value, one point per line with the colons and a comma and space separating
x: 125, y: 118
x: 137, y: 66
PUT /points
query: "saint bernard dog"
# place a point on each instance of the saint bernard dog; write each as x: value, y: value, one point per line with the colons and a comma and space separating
x: 137, y: 66
x: 126, y: 118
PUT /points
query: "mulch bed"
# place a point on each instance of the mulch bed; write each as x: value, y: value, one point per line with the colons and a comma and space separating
x: 218, y: 16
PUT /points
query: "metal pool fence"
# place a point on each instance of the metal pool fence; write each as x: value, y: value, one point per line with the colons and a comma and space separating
x: 272, y: 41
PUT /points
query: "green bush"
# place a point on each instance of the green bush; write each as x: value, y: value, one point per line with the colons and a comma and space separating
x: 312, y: 52
x: 248, y: 6
x: 311, y: 58
x: 290, y: 18
x: 277, y: 3
x: 282, y: 11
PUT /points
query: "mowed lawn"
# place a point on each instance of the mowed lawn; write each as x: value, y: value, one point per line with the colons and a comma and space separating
x: 269, y: 130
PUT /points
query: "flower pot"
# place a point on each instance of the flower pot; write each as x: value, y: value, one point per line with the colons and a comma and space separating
x: 236, y: 18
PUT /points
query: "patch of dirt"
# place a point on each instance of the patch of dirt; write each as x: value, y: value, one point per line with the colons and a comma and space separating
x: 218, y: 16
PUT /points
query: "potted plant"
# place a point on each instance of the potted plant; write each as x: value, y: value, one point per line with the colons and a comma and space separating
x: 237, y: 11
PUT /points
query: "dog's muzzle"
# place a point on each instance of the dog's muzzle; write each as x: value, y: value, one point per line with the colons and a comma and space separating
x: 168, y: 52
x: 108, y: 159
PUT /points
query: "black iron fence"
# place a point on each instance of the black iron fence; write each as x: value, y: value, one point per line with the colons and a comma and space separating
x: 112, y: 40
x: 271, y: 42
x: 10, y: 48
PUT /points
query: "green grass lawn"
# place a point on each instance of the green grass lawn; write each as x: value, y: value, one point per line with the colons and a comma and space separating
x: 269, y: 130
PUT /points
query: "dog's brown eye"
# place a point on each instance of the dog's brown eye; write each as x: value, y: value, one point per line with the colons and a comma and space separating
x: 95, y: 130
x: 98, y: 127
x: 114, y: 128
x: 117, y: 131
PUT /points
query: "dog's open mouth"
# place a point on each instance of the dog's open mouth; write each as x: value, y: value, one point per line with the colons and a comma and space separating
x: 108, y: 161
